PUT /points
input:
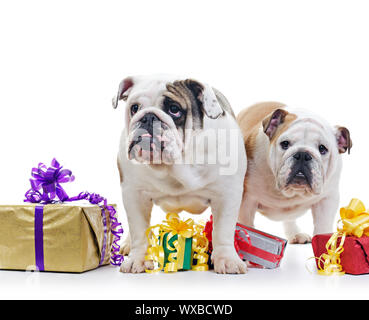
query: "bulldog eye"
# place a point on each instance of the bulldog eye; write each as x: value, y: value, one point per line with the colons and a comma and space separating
x: 322, y: 149
x: 174, y: 110
x: 285, y: 145
x: 134, y: 109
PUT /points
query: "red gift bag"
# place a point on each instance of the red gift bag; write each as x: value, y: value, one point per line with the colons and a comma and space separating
x: 355, y: 256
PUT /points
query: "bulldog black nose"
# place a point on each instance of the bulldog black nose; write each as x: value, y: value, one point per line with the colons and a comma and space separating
x: 148, y: 121
x: 304, y: 156
x: 149, y: 118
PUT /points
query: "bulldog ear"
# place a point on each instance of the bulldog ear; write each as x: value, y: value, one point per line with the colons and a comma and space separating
x: 125, y: 87
x: 206, y: 97
x: 273, y: 121
x: 343, y: 138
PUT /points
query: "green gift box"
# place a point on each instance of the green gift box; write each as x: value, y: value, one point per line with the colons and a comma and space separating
x: 183, y: 256
x: 177, y: 245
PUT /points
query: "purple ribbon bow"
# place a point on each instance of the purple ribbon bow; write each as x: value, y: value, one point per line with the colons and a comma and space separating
x: 48, y: 181
x: 46, y: 188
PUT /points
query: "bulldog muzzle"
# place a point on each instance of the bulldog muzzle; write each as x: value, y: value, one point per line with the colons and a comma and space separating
x: 148, y: 133
x: 301, y: 169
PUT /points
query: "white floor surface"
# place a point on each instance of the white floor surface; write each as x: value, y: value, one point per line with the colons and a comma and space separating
x: 291, y: 281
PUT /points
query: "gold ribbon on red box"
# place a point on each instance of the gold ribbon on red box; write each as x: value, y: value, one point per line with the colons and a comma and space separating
x: 354, y: 222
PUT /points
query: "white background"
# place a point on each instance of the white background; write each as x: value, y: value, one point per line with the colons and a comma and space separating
x: 61, y: 63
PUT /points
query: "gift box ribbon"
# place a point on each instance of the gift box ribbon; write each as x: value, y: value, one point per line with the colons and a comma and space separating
x: 39, y: 238
x: 354, y: 222
x: 182, y: 255
x: 244, y: 244
x: 171, y: 236
x: 46, y: 189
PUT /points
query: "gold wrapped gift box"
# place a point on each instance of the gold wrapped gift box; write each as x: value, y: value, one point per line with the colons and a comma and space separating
x: 73, y: 237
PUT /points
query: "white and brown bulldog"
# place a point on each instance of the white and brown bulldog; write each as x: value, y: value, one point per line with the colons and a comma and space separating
x: 181, y: 149
x: 294, y: 165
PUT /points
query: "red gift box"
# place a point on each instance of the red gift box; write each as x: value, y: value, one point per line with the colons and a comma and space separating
x: 258, y: 248
x: 355, y: 256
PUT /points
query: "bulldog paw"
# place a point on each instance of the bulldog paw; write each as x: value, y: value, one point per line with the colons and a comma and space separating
x: 228, y: 263
x: 136, y: 265
x: 300, y: 238
x: 125, y: 248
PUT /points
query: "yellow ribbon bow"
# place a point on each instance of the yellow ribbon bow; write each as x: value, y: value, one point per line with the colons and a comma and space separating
x: 173, y: 225
x: 176, y: 226
x: 354, y: 222
x: 200, y: 247
x: 355, y: 219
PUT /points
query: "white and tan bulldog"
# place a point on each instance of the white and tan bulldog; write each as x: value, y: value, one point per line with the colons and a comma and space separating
x: 181, y: 149
x: 294, y: 165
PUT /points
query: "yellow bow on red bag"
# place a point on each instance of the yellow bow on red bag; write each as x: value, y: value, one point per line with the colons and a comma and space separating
x: 355, y: 219
x: 354, y: 222
x: 168, y: 246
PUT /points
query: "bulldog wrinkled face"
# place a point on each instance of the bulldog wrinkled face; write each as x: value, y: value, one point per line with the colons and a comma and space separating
x: 159, y: 114
x: 302, y: 153
x: 153, y: 139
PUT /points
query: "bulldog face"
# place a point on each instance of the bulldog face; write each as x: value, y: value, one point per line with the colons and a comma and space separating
x: 161, y: 113
x: 303, y: 151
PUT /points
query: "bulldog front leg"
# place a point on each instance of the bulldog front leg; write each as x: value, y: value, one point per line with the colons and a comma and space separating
x: 248, y: 210
x: 294, y: 234
x: 138, y: 208
x: 224, y: 256
x: 324, y: 213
